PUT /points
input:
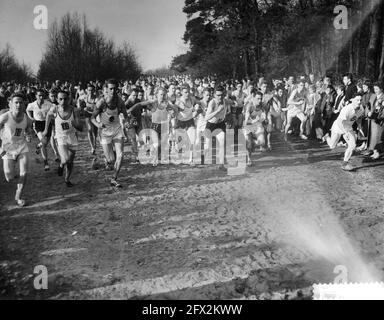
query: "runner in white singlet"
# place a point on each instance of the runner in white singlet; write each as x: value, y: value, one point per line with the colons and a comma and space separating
x: 67, y: 121
x: 109, y: 109
x: 88, y: 102
x: 161, y: 110
x: 15, y: 132
x: 255, y: 117
x: 37, y: 112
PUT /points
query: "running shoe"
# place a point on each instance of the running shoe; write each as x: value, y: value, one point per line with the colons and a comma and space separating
x: 367, y: 153
x: 69, y: 184
x: 46, y: 166
x: 108, y: 166
x: 324, y: 139
x: 20, y: 203
x: 375, y: 156
x: 115, y: 184
x: 348, y: 167
x: 303, y: 137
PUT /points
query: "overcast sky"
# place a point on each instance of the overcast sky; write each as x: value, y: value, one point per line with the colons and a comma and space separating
x: 154, y: 27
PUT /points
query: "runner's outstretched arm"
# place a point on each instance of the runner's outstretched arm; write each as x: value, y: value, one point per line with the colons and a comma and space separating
x: 78, y: 125
x: 29, y: 130
x: 48, y: 120
x: 98, y: 110
x: 139, y: 105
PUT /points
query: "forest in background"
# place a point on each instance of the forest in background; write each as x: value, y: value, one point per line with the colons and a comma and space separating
x: 275, y: 38
x: 74, y: 52
x: 11, y: 68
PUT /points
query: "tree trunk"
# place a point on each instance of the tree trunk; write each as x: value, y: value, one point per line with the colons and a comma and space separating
x: 358, y: 43
x: 381, y: 68
x: 351, y: 56
x: 372, y: 51
x: 246, y: 70
x: 306, y: 61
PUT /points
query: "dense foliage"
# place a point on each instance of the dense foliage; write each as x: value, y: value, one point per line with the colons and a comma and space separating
x: 237, y: 38
x: 11, y: 69
x: 75, y: 52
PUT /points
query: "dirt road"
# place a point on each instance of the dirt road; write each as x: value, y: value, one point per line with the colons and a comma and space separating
x: 176, y: 232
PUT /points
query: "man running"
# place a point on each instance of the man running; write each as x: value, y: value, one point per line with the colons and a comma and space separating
x: 296, y: 106
x: 238, y: 109
x: 217, y: 111
x: 343, y: 127
x: 67, y: 121
x: 133, y: 125
x: 15, y: 132
x: 111, y: 131
x: 160, y: 110
x: 185, y: 120
x: 37, y: 112
x: 52, y: 98
x: 87, y: 102
x: 199, y: 115
x: 255, y: 118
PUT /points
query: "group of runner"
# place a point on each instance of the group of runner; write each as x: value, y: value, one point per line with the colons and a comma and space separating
x: 113, y: 113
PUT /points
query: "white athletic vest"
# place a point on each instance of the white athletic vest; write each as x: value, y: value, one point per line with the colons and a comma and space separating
x: 160, y: 115
x: 187, y: 113
x: 13, y: 134
x: 64, y: 128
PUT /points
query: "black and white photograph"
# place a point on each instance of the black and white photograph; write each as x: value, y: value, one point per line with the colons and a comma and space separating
x: 218, y: 151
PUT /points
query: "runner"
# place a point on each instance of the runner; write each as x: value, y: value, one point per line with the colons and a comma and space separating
x: 185, y: 119
x: 172, y: 99
x: 238, y: 110
x: 87, y: 102
x: 133, y: 125
x: 53, y: 100
x: 255, y: 119
x: 67, y: 121
x: 111, y: 131
x: 201, y: 124
x: 296, y: 106
x: 266, y: 103
x: 343, y: 127
x: 217, y: 111
x: 15, y: 132
x: 159, y: 110
x: 275, y: 111
x: 37, y: 112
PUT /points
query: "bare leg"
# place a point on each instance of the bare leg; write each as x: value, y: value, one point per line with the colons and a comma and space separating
x: 119, y: 157
x: 54, y: 147
x: 109, y: 154
x: 23, y: 164
x: 191, y: 132
x: 71, y: 158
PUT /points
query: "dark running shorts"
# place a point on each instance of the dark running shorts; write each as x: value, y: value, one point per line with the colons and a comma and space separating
x: 213, y: 126
x: 39, y: 126
x: 185, y: 124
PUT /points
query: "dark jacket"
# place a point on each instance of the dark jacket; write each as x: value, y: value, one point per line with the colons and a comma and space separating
x: 350, y: 92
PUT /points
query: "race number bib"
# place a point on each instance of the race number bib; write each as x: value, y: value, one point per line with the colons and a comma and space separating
x: 18, y: 132
x: 65, y: 125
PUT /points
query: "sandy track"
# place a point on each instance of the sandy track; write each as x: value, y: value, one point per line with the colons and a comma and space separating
x: 180, y: 232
